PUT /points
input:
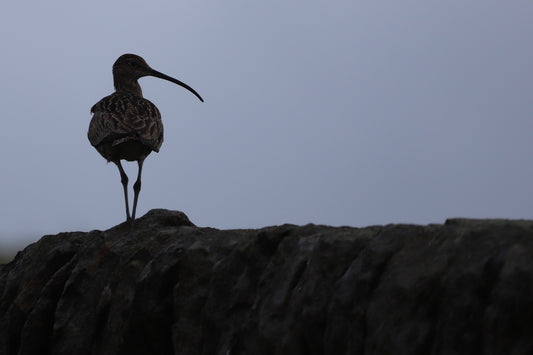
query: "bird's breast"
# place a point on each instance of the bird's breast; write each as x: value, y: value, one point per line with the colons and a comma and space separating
x: 122, y: 117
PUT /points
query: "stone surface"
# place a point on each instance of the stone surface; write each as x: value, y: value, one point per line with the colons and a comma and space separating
x: 168, y: 287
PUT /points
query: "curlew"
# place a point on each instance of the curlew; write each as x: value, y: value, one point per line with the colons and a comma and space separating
x: 126, y: 126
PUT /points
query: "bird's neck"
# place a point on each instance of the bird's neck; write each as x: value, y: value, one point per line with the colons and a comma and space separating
x: 127, y: 85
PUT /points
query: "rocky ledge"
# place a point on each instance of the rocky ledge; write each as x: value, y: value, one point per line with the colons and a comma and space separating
x: 166, y: 286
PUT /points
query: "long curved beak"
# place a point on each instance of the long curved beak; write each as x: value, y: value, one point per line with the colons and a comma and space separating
x: 160, y: 75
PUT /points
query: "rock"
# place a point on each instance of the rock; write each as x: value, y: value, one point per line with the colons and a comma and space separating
x: 166, y: 286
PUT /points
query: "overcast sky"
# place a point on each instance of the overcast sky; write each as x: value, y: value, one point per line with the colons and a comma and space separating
x: 341, y: 112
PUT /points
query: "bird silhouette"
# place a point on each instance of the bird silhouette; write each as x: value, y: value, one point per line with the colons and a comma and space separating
x: 126, y: 126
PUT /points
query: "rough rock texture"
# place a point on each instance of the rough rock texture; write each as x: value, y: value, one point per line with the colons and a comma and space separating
x: 166, y: 286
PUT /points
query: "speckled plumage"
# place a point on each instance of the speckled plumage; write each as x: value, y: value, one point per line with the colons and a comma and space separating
x: 126, y: 126
x: 123, y: 117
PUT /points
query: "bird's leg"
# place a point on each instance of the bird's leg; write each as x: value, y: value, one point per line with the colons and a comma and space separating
x: 124, y: 180
x: 137, y: 188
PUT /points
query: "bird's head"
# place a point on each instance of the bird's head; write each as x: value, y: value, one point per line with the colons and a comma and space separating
x: 131, y: 67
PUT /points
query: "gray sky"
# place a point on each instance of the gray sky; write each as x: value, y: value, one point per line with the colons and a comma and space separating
x: 341, y: 112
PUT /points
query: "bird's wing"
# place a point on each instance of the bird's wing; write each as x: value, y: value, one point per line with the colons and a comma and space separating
x: 121, y: 117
